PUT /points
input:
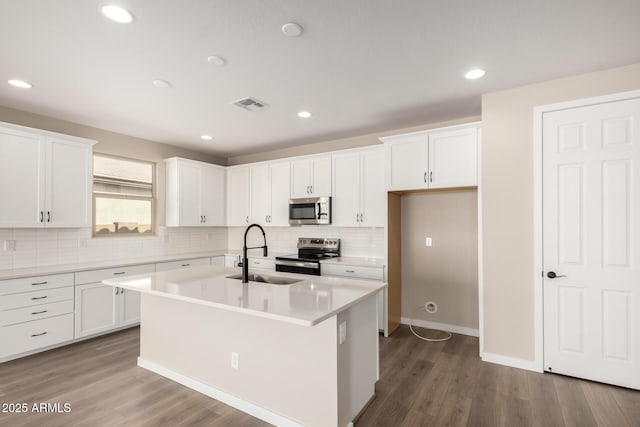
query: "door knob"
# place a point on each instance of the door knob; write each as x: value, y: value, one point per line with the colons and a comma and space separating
x: 553, y: 275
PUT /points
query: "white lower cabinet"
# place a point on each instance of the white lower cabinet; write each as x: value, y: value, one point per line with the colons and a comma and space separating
x: 360, y: 272
x: 101, y: 308
x: 35, y: 312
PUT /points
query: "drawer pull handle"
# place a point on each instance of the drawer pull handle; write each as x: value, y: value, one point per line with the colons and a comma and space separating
x: 38, y: 335
x: 118, y: 273
x: 39, y: 283
x: 185, y: 265
x: 39, y: 312
x: 350, y: 271
x: 34, y: 298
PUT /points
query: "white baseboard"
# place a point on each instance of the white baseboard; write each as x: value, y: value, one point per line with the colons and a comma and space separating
x: 440, y: 326
x: 240, y: 404
x: 514, y: 362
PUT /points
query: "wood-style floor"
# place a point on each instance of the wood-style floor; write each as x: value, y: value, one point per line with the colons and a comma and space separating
x: 439, y: 384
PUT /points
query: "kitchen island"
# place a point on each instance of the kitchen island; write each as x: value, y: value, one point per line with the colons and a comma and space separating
x: 304, y: 353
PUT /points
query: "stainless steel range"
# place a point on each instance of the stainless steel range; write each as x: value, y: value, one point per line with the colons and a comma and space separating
x: 310, y: 252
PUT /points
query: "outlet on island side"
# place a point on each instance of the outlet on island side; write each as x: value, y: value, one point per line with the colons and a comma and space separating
x: 234, y: 360
x: 428, y: 241
x: 343, y: 332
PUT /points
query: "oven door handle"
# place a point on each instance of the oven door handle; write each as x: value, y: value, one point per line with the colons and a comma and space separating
x: 303, y: 264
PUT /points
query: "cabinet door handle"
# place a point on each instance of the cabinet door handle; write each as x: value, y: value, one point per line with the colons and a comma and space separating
x: 425, y: 177
x: 39, y: 283
x: 246, y: 219
x: 361, y: 217
x: 39, y: 312
x: 357, y: 217
x: 311, y: 189
x: 350, y: 271
x: 35, y: 298
x: 431, y: 176
x: 185, y: 265
x: 41, y: 216
x: 119, y: 273
x: 38, y: 335
x: 205, y: 218
x: 48, y: 216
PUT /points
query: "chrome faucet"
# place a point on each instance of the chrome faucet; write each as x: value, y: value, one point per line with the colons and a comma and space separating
x: 245, y: 261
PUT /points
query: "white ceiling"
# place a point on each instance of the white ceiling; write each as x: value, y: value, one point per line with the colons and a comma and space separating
x: 360, y: 66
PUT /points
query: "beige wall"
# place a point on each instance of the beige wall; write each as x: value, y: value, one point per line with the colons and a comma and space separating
x: 507, y: 200
x: 339, y: 144
x: 114, y: 144
x: 447, y: 272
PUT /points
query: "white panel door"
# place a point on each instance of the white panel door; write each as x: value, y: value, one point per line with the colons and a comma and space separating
x: 260, y: 197
x: 189, y: 191
x: 346, y: 190
x: 21, y: 179
x: 96, y: 309
x: 280, y: 181
x: 212, y: 204
x: 300, y: 178
x: 238, y: 196
x: 374, y: 207
x: 591, y: 217
x: 408, y: 163
x: 453, y: 158
x: 69, y: 181
x: 128, y: 307
x: 321, y: 177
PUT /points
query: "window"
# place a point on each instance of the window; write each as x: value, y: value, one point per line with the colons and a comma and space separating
x: 122, y: 197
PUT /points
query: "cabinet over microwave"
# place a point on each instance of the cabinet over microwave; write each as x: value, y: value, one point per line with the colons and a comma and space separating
x: 312, y: 210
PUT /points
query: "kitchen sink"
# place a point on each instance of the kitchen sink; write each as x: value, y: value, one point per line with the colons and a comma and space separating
x: 272, y: 280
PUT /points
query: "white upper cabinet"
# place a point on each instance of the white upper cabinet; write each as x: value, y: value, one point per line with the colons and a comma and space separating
x: 45, y: 179
x: 453, y: 158
x: 238, y: 199
x: 358, y: 188
x: 311, y: 177
x: 439, y: 158
x: 195, y: 193
x: 270, y: 186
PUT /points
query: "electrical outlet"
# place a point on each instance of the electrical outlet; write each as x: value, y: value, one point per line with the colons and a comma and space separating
x: 9, y: 245
x: 235, y: 362
x: 343, y: 332
x: 428, y: 241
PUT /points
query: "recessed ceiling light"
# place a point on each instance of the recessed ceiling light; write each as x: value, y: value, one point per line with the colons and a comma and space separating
x: 206, y: 137
x: 162, y: 84
x: 216, y: 60
x: 304, y: 114
x: 476, y: 73
x: 117, y: 13
x: 21, y: 84
x: 291, y: 29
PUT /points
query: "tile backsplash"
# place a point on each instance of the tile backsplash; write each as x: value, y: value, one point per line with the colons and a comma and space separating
x: 23, y: 248
x: 355, y: 241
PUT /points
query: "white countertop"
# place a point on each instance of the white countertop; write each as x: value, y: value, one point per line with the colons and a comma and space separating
x: 84, y: 266
x: 307, y: 302
x: 71, y: 268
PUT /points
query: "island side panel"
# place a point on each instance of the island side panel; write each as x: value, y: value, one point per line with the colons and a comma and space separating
x: 357, y: 359
x: 288, y: 369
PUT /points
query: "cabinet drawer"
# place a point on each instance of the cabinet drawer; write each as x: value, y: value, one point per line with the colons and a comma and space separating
x: 185, y: 263
x: 371, y: 273
x: 36, y: 312
x: 28, y: 299
x: 94, y: 276
x: 36, y: 283
x: 36, y: 334
x: 262, y: 263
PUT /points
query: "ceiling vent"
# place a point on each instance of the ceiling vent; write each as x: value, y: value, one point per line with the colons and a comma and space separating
x: 250, y: 104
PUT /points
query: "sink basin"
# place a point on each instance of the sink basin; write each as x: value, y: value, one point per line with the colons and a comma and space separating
x: 261, y: 278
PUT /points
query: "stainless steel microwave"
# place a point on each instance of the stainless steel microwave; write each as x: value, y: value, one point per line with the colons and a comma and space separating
x: 312, y: 210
